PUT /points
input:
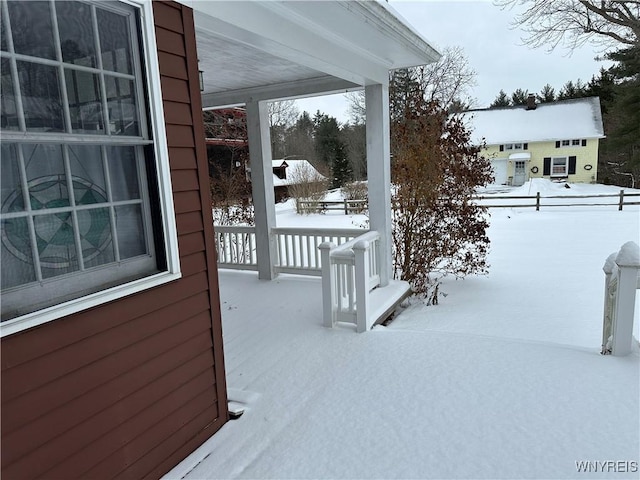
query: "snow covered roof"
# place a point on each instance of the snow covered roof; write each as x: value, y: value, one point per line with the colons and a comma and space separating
x: 566, y: 119
x: 293, y: 166
x: 520, y: 156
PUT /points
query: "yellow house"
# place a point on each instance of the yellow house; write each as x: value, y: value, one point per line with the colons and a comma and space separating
x: 556, y: 140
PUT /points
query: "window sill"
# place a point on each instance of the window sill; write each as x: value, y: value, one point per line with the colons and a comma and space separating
x: 55, y: 312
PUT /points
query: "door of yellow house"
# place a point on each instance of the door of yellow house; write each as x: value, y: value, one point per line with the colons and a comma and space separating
x: 519, y: 173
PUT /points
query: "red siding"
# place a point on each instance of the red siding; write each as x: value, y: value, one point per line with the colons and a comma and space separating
x: 131, y: 387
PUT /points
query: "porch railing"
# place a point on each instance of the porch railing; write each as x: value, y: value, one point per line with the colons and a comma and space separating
x: 236, y: 247
x: 349, y: 273
x: 297, y: 248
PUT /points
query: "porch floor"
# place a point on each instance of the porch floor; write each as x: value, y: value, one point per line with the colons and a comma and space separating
x: 396, y: 403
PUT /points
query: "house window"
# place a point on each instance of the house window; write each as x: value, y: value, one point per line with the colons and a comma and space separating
x: 575, y: 142
x: 559, y: 167
x: 515, y: 146
x: 82, y: 202
x: 565, y: 143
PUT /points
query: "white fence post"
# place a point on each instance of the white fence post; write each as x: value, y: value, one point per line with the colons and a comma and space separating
x: 628, y: 262
x: 328, y: 310
x: 360, y: 250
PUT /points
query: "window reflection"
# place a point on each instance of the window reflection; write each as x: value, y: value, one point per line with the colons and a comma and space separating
x: 31, y: 28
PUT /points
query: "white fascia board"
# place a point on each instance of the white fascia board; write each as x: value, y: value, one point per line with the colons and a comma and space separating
x: 280, y: 91
x: 395, y: 26
x: 252, y: 24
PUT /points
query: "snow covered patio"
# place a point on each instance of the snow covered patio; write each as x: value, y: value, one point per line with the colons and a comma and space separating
x: 503, y: 379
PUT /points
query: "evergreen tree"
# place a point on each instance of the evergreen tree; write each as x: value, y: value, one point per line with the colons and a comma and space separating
x: 403, y: 89
x: 602, y: 86
x: 354, y: 138
x: 519, y: 97
x: 330, y: 149
x: 568, y: 91
x: 622, y: 147
x: 502, y: 100
x: 341, y: 168
x: 547, y: 94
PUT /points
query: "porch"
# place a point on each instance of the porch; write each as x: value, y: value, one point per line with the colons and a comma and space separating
x: 347, y: 260
x: 253, y: 53
x: 467, y: 389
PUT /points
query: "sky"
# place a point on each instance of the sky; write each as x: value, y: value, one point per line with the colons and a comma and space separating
x: 492, y: 46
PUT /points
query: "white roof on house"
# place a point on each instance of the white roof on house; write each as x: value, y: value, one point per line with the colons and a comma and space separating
x: 292, y: 166
x: 567, y: 119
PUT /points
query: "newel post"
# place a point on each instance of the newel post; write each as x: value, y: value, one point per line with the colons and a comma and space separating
x: 328, y: 301
x: 628, y: 262
x: 607, y: 316
x: 360, y: 250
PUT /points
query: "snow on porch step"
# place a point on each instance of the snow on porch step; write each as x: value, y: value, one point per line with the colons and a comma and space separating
x: 384, y: 300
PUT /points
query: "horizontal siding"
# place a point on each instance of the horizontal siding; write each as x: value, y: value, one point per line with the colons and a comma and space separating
x: 80, y: 381
x: 183, y: 423
x: 117, y: 442
x: 184, y: 202
x: 174, y: 66
x: 184, y: 180
x: 182, y: 158
x: 170, y: 42
x: 191, y: 243
x: 28, y: 346
x: 165, y: 17
x: 116, y: 418
x: 181, y: 441
x: 178, y: 113
x: 175, y: 90
x: 180, y: 136
x: 194, y: 263
x: 27, y: 377
x: 131, y: 387
x: 189, y: 222
x: 87, y: 412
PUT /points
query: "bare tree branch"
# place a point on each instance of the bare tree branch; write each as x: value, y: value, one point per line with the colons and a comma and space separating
x: 573, y: 23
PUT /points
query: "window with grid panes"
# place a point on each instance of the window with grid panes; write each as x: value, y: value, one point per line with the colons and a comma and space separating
x: 79, y: 198
x: 559, y: 166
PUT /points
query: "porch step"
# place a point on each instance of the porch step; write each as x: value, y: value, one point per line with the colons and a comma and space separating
x: 384, y: 300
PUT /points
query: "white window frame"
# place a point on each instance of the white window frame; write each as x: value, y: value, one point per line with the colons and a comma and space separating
x: 514, y: 146
x: 165, y: 196
x: 566, y: 167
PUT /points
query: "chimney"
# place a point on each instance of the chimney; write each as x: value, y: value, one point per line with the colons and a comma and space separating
x: 531, y: 102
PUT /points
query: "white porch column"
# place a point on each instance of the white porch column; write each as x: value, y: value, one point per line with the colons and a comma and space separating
x: 262, y: 187
x: 379, y: 172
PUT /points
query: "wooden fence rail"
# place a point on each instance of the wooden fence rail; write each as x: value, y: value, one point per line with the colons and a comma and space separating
x: 347, y: 206
x: 513, y: 201
x: 621, y: 200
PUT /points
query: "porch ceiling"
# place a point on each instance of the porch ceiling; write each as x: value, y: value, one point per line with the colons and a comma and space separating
x: 258, y: 50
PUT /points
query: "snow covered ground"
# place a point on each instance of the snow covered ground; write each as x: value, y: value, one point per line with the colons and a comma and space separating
x: 503, y: 379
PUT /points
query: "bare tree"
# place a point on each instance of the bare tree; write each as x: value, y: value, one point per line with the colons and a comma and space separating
x: 283, y: 113
x: 306, y: 184
x: 282, y: 116
x: 448, y: 81
x: 357, y: 109
x: 551, y: 23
